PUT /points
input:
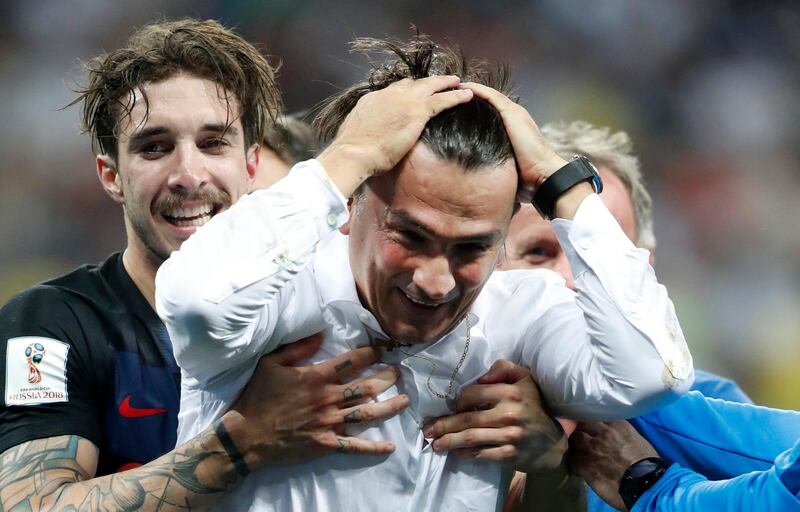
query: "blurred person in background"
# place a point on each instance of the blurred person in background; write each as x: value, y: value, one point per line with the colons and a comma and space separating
x: 89, y: 384
x: 288, y: 141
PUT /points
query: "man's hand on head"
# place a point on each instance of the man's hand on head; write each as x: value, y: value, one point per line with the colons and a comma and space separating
x: 501, y: 418
x: 536, y: 158
x: 289, y: 414
x: 384, y: 126
x: 601, y: 452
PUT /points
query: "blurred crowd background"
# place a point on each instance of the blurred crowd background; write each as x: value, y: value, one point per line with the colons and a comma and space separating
x: 709, y: 91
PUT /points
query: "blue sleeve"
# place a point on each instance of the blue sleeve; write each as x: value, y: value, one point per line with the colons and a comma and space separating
x: 787, y: 466
x: 707, y: 383
x: 719, y: 439
x: 683, y: 490
x: 715, y: 386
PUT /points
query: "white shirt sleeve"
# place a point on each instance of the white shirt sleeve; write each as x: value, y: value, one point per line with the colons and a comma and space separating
x: 621, y: 352
x: 237, y: 287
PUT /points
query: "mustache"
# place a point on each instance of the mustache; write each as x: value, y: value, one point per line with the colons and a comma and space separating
x: 219, y: 198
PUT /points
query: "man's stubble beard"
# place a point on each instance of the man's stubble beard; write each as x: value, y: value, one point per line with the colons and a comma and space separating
x: 147, y: 235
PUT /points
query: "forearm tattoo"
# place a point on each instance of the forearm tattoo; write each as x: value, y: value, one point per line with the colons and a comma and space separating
x: 47, y: 474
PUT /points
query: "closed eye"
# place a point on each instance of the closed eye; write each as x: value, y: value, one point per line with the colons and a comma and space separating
x: 471, y: 251
x: 409, y: 237
x: 538, y: 254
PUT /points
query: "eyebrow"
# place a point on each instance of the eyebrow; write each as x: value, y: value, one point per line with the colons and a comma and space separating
x: 146, y: 133
x: 152, y: 131
x: 405, y: 219
x: 220, y: 128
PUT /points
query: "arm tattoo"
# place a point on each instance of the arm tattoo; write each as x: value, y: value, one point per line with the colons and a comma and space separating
x: 46, y: 474
x: 350, y: 394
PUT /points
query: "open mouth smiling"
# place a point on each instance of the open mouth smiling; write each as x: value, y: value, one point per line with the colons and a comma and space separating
x: 193, y: 216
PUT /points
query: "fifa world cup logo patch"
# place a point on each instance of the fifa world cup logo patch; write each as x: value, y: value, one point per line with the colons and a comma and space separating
x: 35, y: 353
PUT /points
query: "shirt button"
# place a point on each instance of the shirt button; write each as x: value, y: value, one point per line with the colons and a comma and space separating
x: 586, y: 244
x: 364, y: 317
x: 332, y: 219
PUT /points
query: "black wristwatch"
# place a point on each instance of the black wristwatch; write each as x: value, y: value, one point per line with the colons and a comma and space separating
x: 639, y: 477
x: 578, y: 170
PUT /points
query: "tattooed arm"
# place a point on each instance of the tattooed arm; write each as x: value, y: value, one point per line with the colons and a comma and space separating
x: 55, y: 474
x: 285, y: 415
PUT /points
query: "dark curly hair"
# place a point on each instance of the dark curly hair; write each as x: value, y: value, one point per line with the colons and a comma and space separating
x: 471, y: 134
x: 158, y: 51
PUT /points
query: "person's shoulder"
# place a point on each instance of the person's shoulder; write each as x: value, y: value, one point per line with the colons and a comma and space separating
x: 92, y: 281
x: 58, y: 291
x: 57, y: 305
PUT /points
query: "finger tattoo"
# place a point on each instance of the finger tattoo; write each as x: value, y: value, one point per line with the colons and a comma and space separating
x: 343, y: 445
x: 343, y: 365
x: 353, y: 416
x: 350, y: 394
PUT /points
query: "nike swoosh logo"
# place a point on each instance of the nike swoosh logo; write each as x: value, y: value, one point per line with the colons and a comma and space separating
x: 126, y: 410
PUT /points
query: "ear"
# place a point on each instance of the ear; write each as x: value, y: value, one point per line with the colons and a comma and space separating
x: 110, y: 178
x: 501, y: 256
x: 345, y: 228
x: 253, y: 157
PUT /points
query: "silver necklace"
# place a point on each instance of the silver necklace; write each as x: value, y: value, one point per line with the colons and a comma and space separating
x: 434, y: 365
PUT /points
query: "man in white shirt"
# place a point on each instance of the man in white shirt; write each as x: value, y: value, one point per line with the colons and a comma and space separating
x: 430, y: 200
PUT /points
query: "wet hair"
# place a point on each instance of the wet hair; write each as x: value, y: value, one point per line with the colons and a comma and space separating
x: 615, y: 151
x: 291, y: 138
x: 161, y: 50
x: 471, y: 134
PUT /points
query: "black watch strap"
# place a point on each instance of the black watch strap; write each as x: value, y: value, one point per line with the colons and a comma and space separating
x: 639, y: 477
x: 578, y: 170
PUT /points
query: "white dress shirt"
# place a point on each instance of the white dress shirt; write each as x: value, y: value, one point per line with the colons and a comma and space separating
x: 273, y: 269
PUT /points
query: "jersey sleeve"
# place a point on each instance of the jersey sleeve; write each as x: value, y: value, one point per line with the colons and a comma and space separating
x: 48, y: 371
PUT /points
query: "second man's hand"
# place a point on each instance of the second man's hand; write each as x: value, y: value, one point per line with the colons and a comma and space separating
x: 501, y: 418
x: 536, y: 158
x: 289, y: 414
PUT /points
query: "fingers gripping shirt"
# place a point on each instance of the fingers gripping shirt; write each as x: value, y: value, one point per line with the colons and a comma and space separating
x: 227, y: 297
